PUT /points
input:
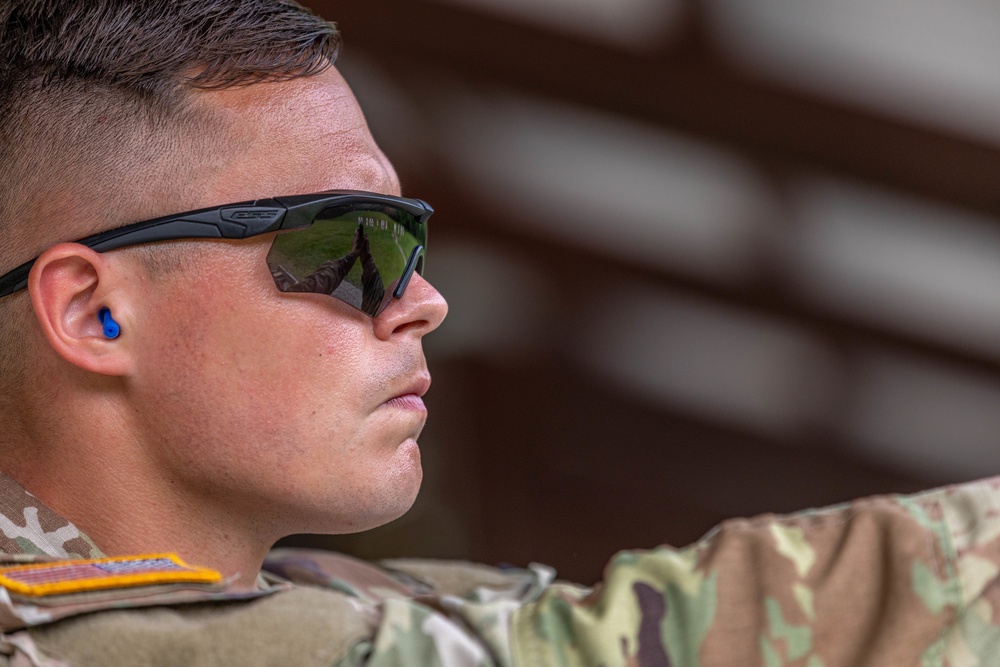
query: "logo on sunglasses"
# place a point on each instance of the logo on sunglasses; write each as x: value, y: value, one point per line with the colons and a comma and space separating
x: 251, y: 214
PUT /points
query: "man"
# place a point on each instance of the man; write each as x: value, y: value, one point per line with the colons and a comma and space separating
x: 189, y: 366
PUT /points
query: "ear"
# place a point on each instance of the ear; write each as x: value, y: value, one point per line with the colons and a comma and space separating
x: 69, y: 284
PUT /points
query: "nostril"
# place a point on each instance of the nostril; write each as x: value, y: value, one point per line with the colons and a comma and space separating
x: 410, y: 326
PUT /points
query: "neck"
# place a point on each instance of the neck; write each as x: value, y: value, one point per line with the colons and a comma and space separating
x: 104, y: 484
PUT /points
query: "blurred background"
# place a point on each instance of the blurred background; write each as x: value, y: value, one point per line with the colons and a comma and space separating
x: 705, y: 258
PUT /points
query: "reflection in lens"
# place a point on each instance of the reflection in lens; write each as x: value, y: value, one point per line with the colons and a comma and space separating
x: 350, y: 253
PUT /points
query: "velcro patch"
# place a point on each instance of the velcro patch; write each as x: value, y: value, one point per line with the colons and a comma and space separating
x: 75, y: 576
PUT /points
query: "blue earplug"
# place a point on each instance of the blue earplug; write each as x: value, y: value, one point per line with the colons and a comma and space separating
x: 111, y: 328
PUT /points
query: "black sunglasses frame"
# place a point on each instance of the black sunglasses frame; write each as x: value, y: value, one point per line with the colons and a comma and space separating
x: 241, y: 220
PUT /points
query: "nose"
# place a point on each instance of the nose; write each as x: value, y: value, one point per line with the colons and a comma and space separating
x: 419, y: 312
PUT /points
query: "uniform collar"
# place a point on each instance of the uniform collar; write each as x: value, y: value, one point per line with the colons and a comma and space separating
x: 28, y: 527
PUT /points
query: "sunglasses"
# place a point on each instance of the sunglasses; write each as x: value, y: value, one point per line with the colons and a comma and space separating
x: 359, y: 247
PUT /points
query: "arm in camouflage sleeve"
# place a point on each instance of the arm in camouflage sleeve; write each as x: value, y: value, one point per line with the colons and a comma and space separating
x: 890, y: 581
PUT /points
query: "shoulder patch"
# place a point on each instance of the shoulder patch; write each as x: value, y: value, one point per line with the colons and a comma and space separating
x: 76, y: 576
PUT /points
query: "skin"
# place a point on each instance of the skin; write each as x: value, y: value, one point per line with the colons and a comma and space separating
x: 229, y: 414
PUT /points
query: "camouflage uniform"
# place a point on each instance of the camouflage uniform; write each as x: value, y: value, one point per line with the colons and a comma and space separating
x: 888, y: 581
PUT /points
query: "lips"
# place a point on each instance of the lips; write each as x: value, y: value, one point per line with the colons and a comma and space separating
x: 407, y: 402
x: 411, y: 396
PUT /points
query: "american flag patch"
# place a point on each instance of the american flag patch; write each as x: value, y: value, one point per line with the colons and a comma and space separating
x: 76, y: 576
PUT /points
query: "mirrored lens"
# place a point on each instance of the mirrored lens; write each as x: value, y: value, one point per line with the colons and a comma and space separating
x: 357, y: 255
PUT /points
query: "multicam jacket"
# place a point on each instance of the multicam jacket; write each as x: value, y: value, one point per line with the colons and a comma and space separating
x: 890, y: 581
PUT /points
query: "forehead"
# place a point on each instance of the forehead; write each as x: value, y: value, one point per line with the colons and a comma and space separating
x: 295, y: 137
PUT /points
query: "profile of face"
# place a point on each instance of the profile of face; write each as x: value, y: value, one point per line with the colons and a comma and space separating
x: 292, y: 411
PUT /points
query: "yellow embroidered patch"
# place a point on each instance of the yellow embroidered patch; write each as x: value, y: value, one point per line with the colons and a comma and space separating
x: 77, y: 576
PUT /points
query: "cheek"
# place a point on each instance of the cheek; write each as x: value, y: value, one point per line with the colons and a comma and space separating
x: 252, y: 379
x: 290, y: 364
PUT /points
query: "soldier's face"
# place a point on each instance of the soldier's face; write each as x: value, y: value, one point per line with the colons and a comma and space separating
x: 294, y: 412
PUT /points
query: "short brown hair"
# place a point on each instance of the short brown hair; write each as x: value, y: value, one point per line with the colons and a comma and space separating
x: 92, y: 91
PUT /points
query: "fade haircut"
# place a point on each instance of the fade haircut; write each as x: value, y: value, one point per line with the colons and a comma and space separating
x: 96, y: 106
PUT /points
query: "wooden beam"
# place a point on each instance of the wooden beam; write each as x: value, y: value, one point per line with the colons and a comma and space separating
x: 687, y: 88
x: 463, y: 219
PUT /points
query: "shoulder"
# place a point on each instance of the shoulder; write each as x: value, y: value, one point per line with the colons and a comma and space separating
x: 300, y: 625
x: 339, y: 610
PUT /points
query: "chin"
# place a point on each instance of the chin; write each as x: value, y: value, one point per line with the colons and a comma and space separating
x: 383, y: 498
x: 401, y: 491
